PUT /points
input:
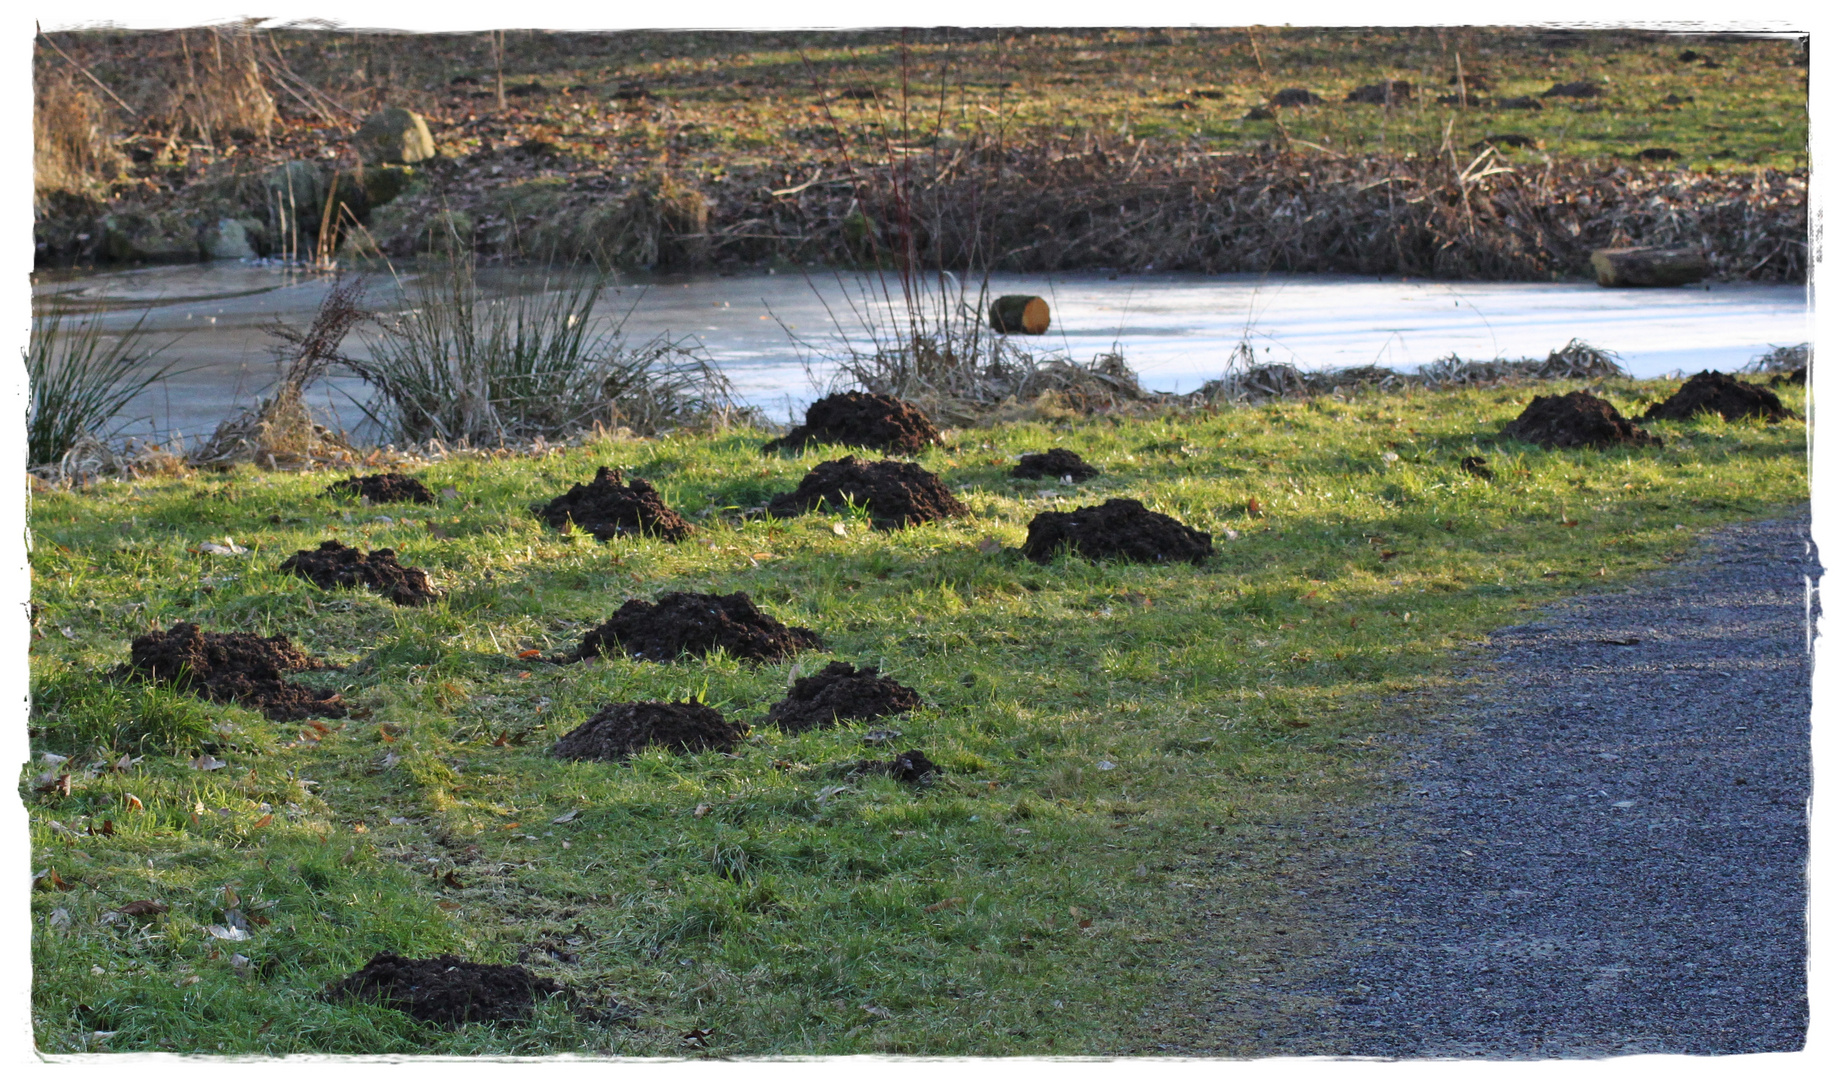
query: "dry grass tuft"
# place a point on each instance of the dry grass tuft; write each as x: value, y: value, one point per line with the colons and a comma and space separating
x: 72, y: 152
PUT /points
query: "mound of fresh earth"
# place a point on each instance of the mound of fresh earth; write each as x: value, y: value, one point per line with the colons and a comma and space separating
x: 624, y: 728
x: 908, y: 766
x: 1795, y: 377
x: 1116, y: 529
x: 896, y: 493
x: 606, y: 508
x: 383, y: 488
x: 335, y: 566
x: 1566, y: 421
x: 240, y: 668
x: 855, y: 418
x: 692, y: 624
x: 445, y: 990
x: 840, y: 692
x: 1056, y: 464
x: 1717, y: 392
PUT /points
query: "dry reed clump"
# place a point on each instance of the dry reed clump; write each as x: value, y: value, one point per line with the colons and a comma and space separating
x: 279, y: 431
x: 1248, y: 382
x: 73, y: 152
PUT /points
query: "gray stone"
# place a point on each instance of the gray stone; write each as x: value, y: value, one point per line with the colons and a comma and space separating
x: 227, y: 239
x: 161, y: 237
x: 393, y: 136
x: 1647, y: 267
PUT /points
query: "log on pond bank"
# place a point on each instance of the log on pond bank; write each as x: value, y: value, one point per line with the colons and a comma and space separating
x: 1647, y: 267
x: 1019, y: 315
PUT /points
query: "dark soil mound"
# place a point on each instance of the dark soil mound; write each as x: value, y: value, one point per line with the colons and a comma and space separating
x: 1576, y: 419
x: 383, y: 488
x: 607, y: 508
x: 1477, y: 467
x: 1797, y: 377
x: 840, y: 692
x: 1118, y: 529
x: 1717, y: 392
x: 240, y: 668
x: 897, y: 493
x: 694, y: 624
x: 1295, y: 95
x: 908, y: 766
x: 626, y: 727
x: 445, y: 990
x: 1397, y: 91
x: 876, y: 421
x: 1053, y: 465
x: 335, y: 566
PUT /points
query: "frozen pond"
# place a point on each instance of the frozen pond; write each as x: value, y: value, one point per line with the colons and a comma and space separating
x: 1176, y: 330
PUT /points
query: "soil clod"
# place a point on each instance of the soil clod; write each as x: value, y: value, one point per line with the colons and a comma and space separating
x: 1717, y: 392
x: 840, y: 692
x: 896, y: 493
x: 1797, y: 377
x: 1567, y: 421
x: 240, y: 668
x: 692, y: 624
x: 1116, y: 529
x: 383, y: 488
x: 855, y: 418
x: 606, y: 508
x: 624, y: 728
x: 1056, y: 464
x: 908, y: 766
x: 1477, y: 467
x: 446, y: 990
x: 335, y: 566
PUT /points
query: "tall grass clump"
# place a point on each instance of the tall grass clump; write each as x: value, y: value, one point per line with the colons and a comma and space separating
x: 464, y: 369
x: 73, y: 152
x: 81, y: 380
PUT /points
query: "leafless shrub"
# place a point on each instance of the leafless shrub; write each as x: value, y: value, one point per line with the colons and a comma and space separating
x: 1781, y: 359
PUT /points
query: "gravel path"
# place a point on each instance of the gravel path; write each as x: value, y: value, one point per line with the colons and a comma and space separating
x: 1606, y: 854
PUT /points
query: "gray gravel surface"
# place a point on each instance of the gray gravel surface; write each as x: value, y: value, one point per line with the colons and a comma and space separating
x: 1603, y: 851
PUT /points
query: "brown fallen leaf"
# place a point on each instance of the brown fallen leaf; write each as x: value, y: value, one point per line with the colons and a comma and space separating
x: 701, y: 809
x: 511, y: 825
x: 447, y: 905
x: 133, y: 802
x: 264, y: 820
x: 108, y: 827
x: 523, y: 674
x: 452, y: 880
x: 698, y: 1036
x: 383, y: 732
x: 59, y: 785
x: 316, y: 725
x: 530, y: 654
x: 1253, y: 509
x: 503, y: 739
x: 230, y: 898
x: 141, y: 909
x: 950, y: 901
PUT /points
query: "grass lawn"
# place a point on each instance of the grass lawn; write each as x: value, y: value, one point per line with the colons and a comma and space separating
x: 1106, y: 729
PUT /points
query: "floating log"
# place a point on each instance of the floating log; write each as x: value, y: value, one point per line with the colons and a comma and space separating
x: 1019, y: 315
x: 1645, y: 266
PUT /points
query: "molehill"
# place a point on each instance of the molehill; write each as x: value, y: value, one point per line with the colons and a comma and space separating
x: 383, y: 488
x: 855, y: 418
x: 335, y: 566
x: 840, y: 692
x: 1116, y: 529
x: 1056, y: 464
x: 896, y: 493
x: 445, y: 990
x: 1564, y: 422
x: 1717, y: 392
x: 692, y: 624
x: 606, y: 508
x: 625, y: 728
x: 908, y: 766
x: 240, y: 668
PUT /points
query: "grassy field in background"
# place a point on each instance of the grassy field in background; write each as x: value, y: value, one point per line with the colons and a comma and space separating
x: 1106, y: 729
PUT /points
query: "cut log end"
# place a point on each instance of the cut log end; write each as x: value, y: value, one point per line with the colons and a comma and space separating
x: 1019, y: 315
x: 1646, y: 267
